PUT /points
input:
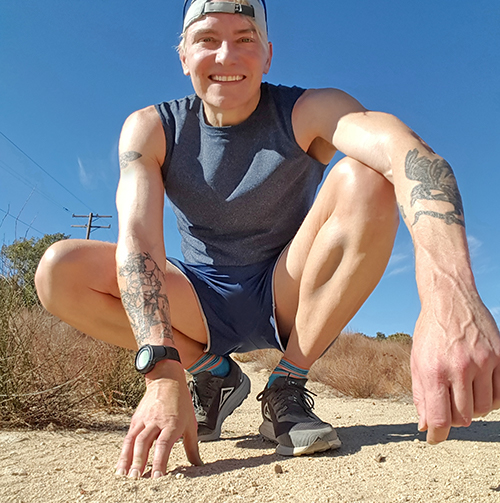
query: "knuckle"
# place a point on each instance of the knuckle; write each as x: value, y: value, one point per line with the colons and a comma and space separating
x: 440, y: 424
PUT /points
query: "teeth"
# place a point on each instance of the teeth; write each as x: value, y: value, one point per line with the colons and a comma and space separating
x: 227, y: 78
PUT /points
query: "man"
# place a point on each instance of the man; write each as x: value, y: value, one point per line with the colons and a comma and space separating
x: 266, y: 264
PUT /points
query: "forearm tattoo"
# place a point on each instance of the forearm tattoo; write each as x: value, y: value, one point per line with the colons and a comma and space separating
x: 437, y: 183
x: 127, y: 157
x: 142, y: 299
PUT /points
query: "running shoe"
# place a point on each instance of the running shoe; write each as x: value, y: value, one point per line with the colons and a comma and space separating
x: 289, y: 421
x: 215, y: 398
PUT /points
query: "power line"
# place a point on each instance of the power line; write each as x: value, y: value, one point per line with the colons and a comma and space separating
x: 89, y: 225
x: 8, y: 169
x: 42, y: 169
x: 7, y: 214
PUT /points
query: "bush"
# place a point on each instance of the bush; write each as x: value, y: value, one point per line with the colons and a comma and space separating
x: 19, y: 261
x: 51, y: 373
x: 355, y: 365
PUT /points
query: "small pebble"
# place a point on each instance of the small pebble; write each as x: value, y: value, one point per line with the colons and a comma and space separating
x: 18, y: 472
x: 379, y: 458
x: 278, y: 469
x: 179, y: 476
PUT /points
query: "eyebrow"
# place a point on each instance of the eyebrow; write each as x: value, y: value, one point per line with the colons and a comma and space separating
x: 209, y: 31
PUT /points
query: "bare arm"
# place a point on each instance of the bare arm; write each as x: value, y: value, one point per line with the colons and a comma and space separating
x: 140, y: 252
x: 165, y: 413
x: 456, y: 350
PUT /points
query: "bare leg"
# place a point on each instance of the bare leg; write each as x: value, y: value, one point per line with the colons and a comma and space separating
x: 336, y: 259
x: 76, y: 281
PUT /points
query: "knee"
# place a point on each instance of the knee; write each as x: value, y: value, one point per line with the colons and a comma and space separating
x: 51, y: 273
x: 367, y: 192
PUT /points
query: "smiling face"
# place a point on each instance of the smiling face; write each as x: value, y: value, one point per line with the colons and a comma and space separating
x: 225, y: 59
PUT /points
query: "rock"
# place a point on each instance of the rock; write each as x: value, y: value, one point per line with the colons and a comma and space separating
x: 278, y: 469
x: 20, y: 472
x: 379, y: 458
x: 81, y: 431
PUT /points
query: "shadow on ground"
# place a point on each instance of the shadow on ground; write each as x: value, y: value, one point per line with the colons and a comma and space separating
x: 353, y: 439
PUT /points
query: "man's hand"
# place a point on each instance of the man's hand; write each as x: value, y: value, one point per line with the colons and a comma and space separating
x: 455, y: 363
x: 164, y: 414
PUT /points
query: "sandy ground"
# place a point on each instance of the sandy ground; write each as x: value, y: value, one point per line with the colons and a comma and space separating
x: 383, y: 459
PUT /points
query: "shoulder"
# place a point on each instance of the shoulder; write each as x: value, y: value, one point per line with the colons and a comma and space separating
x: 327, y: 101
x: 144, y: 118
x: 318, y: 111
x: 143, y: 132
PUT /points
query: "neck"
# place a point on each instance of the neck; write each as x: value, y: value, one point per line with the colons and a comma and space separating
x: 219, y: 117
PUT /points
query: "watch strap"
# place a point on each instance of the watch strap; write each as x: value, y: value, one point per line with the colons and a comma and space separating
x: 157, y: 353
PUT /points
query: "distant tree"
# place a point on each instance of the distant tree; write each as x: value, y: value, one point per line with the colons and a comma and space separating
x: 381, y: 336
x: 400, y: 337
x: 19, y: 261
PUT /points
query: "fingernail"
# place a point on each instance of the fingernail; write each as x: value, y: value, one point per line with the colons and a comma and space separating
x: 157, y: 474
x: 134, y: 473
x: 121, y: 472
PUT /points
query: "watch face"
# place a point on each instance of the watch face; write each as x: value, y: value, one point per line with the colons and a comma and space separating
x: 143, y: 358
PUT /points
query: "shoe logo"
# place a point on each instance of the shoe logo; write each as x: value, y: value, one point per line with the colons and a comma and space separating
x: 266, y: 412
x: 225, y: 393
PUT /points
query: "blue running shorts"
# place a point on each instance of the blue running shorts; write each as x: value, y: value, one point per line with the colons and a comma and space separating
x: 238, y: 304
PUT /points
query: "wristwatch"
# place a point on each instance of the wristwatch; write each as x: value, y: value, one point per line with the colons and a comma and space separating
x: 148, y: 356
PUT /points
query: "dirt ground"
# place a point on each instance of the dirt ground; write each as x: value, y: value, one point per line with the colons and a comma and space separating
x: 383, y: 459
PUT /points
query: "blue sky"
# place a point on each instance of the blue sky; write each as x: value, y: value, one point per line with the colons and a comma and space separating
x: 71, y: 72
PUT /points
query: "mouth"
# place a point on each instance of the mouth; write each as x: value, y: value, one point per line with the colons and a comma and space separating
x: 227, y: 78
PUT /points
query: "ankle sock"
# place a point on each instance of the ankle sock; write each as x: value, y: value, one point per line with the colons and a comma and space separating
x: 216, y: 365
x: 286, y: 368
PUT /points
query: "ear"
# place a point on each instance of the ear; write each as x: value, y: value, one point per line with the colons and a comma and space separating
x: 185, y: 68
x: 269, y: 58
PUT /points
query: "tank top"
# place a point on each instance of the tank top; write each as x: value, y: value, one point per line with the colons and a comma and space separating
x: 239, y: 192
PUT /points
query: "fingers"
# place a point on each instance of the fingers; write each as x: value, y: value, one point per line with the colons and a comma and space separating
x: 191, y: 446
x: 135, y: 450
x: 419, y: 401
x: 496, y: 389
x: 483, y: 394
x: 438, y: 414
x: 127, y: 452
x: 462, y: 402
x: 163, y: 447
x: 143, y: 443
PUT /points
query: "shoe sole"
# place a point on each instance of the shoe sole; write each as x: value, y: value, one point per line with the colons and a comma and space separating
x: 231, y: 404
x: 266, y: 429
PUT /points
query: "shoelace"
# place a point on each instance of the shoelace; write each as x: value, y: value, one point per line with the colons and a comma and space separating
x: 287, y: 395
x: 198, y: 407
x: 202, y: 398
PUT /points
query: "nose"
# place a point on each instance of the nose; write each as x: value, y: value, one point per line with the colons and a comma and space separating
x: 225, y: 54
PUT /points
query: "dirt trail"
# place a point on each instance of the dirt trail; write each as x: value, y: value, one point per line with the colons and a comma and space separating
x: 383, y: 459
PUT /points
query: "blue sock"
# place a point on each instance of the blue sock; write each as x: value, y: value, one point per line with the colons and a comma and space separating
x: 216, y: 365
x: 286, y: 368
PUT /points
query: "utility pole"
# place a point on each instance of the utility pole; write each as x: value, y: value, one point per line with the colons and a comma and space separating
x: 88, y: 225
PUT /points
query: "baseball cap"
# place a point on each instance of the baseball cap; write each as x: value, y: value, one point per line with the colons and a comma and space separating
x: 198, y: 8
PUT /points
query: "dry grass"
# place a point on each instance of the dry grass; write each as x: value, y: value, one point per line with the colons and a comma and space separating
x: 356, y: 366
x: 51, y: 373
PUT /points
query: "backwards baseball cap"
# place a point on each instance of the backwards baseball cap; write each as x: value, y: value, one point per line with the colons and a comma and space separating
x: 198, y: 8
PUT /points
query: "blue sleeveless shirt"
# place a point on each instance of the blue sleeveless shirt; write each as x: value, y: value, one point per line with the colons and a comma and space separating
x: 239, y: 192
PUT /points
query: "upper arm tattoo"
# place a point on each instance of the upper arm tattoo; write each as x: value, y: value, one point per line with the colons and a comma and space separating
x: 437, y: 183
x: 127, y: 157
x: 142, y: 297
